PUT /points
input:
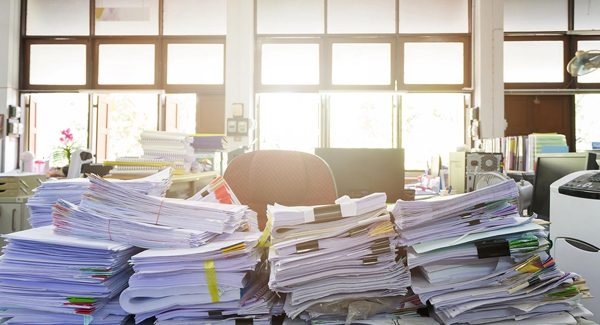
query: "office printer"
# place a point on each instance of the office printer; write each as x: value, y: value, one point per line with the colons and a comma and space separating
x: 575, y: 223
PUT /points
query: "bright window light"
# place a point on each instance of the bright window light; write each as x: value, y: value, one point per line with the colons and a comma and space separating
x: 290, y: 64
x: 587, y: 115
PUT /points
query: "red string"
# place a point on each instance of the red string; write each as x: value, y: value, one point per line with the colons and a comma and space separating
x: 159, y: 208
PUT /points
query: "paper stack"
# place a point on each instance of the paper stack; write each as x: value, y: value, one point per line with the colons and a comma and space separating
x: 71, y: 190
x: 193, y: 286
x: 113, y: 212
x: 475, y: 260
x: 51, y: 279
x: 330, y: 253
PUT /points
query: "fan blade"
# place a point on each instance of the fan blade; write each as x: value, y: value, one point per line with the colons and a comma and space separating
x: 583, y: 63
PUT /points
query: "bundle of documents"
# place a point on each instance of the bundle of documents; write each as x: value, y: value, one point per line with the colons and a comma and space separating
x: 169, y: 146
x: 46, y: 278
x: 337, y: 252
x: 216, y: 191
x: 71, y: 190
x: 540, y: 143
x: 206, y: 142
x: 135, y: 167
x: 195, y: 285
x: 475, y: 260
x: 111, y: 200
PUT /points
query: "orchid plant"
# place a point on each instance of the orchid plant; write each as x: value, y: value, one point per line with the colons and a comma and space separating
x: 66, y: 147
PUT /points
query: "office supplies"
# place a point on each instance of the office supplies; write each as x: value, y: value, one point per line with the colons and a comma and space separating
x: 551, y: 167
x: 325, y: 254
x: 47, y: 276
x: 79, y: 158
x: 574, y: 204
x: 359, y: 172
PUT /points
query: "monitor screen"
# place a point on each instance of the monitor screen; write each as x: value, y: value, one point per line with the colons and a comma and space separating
x: 359, y: 172
x: 552, y: 167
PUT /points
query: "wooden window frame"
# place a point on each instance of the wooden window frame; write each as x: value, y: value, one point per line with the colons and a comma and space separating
x: 467, y: 62
x: 542, y: 85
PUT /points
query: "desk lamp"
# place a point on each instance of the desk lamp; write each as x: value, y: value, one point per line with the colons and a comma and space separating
x: 584, y: 62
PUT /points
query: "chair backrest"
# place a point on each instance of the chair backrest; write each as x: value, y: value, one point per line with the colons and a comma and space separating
x: 286, y: 177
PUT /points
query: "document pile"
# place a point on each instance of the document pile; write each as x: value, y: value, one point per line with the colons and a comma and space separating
x: 324, y: 254
x: 476, y: 260
x: 113, y: 212
x: 195, y: 285
x: 71, y: 190
x: 51, y: 279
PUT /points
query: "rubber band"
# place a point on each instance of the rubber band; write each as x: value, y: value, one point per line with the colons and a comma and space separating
x: 211, y: 280
x: 158, y: 213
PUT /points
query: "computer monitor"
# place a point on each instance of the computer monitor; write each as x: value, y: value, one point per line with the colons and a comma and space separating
x: 552, y: 167
x: 359, y: 172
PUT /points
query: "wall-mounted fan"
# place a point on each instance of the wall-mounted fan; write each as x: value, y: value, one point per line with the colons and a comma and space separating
x: 584, y: 62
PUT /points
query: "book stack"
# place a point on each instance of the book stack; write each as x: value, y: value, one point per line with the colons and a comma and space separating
x: 476, y: 260
x: 71, y: 190
x: 51, y: 279
x: 213, y: 282
x: 324, y: 254
x: 208, y: 142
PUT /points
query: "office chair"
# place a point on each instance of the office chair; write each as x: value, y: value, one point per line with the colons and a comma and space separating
x: 285, y: 177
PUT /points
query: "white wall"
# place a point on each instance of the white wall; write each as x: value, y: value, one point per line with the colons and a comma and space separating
x: 488, y: 83
x: 9, y: 75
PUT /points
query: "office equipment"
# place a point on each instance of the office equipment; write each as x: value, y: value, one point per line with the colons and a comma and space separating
x: 584, y: 62
x: 359, y: 172
x: 475, y: 260
x: 478, y: 162
x: 551, y: 167
x: 265, y: 177
x: 457, y: 171
x: 78, y: 159
x: 574, y: 206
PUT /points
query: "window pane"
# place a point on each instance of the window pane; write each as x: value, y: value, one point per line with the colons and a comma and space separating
x: 129, y: 115
x: 186, y: 113
x: 57, y: 112
x: 361, y: 121
x: 587, y: 15
x: 195, y: 17
x: 527, y: 16
x: 422, y: 113
x: 57, y: 64
x: 535, y: 61
x: 289, y: 121
x: 58, y: 17
x: 587, y: 115
x: 290, y: 64
x: 290, y: 17
x: 361, y: 16
x: 126, y: 17
x: 126, y: 64
x: 434, y: 16
x: 361, y: 63
x: 593, y: 77
x: 433, y: 63
x: 189, y: 64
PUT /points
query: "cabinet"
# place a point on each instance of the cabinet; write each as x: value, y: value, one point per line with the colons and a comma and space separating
x: 13, y: 215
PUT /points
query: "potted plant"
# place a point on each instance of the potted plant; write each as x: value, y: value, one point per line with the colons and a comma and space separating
x: 62, y: 154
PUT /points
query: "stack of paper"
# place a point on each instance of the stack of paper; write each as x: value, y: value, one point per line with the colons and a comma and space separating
x: 51, y: 279
x: 111, y: 212
x: 336, y: 252
x: 70, y: 190
x: 194, y: 285
x: 216, y: 191
x: 475, y: 260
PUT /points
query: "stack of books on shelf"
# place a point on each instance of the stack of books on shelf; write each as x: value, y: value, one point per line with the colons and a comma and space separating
x: 341, y: 255
x: 475, y: 260
x: 161, y: 149
x: 520, y: 152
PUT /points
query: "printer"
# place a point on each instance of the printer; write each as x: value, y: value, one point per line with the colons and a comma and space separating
x: 575, y: 227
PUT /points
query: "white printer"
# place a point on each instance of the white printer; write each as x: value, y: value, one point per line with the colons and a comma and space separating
x: 575, y: 229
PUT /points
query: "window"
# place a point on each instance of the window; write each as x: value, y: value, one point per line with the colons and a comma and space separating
x: 361, y: 16
x: 181, y: 113
x: 587, y: 15
x: 587, y: 115
x: 195, y: 17
x: 58, y: 17
x: 126, y: 64
x: 126, y: 17
x: 57, y: 64
x: 434, y: 63
x: 362, y: 121
x: 128, y: 115
x: 289, y: 121
x: 424, y: 114
x: 434, y: 16
x: 361, y: 63
x: 290, y: 64
x: 534, y: 61
x: 189, y: 64
x: 586, y: 46
x: 49, y: 115
x: 535, y: 15
x: 290, y: 16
